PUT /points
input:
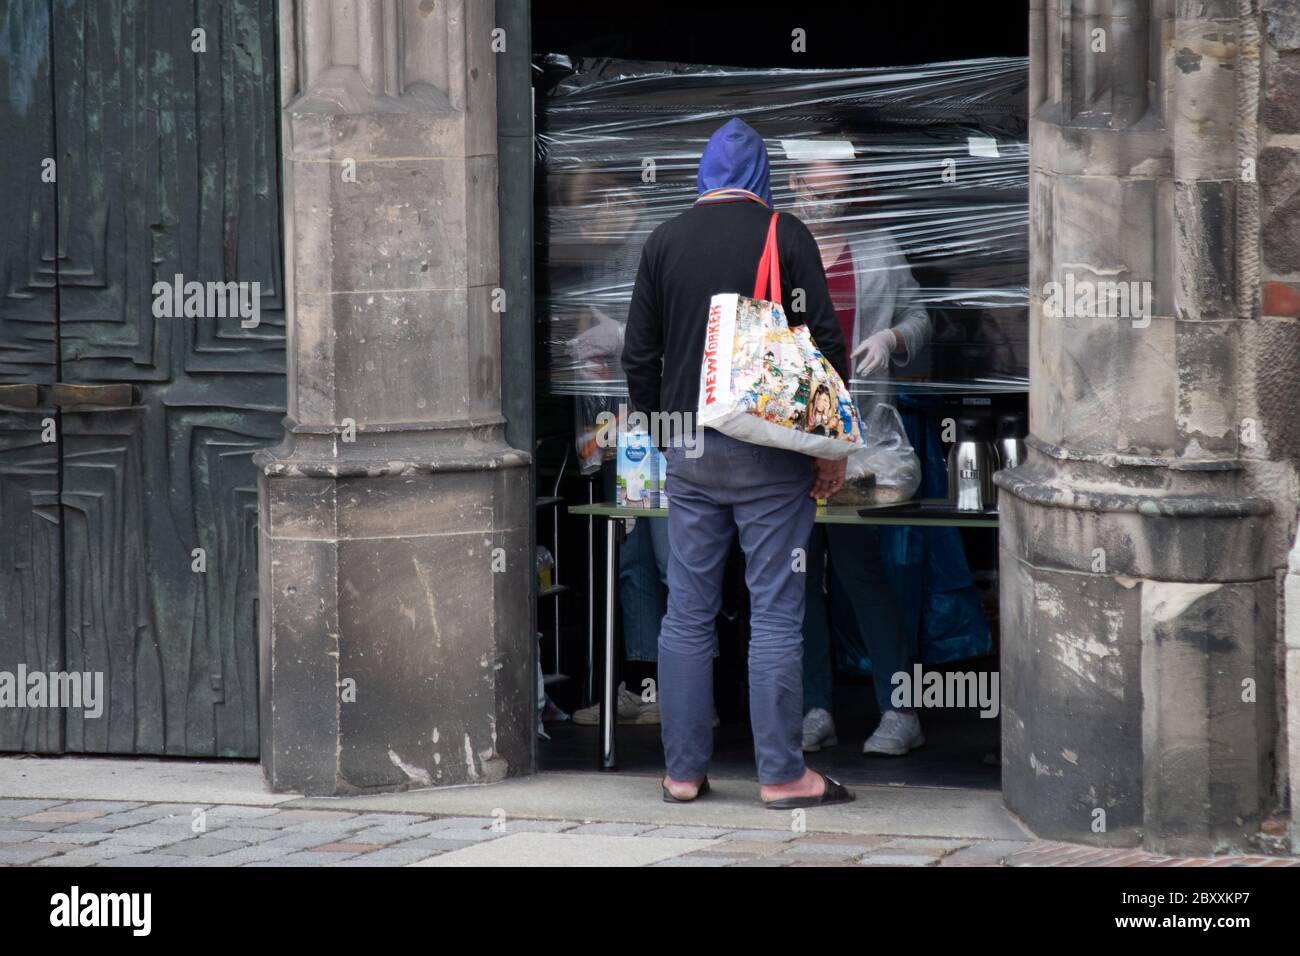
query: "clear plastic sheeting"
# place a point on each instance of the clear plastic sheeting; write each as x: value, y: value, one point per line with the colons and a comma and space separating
x: 914, y: 181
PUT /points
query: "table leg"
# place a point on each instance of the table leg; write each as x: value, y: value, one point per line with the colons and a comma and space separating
x: 589, y: 691
x: 608, y: 688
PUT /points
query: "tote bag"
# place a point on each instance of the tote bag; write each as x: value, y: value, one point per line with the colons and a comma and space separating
x: 764, y: 382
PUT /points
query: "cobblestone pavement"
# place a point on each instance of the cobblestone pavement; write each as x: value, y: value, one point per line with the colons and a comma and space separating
x: 113, y: 833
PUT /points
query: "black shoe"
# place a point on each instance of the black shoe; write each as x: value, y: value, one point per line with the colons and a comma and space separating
x: 669, y: 798
x: 835, y: 792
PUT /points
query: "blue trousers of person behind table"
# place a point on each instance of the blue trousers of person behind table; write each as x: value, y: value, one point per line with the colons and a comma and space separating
x: 857, y: 562
x: 761, y: 493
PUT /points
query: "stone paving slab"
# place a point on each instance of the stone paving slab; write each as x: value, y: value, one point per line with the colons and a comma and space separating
x: 689, y: 833
x: 435, y: 844
x: 464, y: 834
x: 612, y: 829
x: 563, y: 849
x: 733, y: 804
x: 145, y: 859
x: 103, y: 806
x: 691, y: 860
x: 52, y: 780
x: 63, y: 836
x: 63, y: 816
x: 21, y: 808
x: 149, y: 835
x: 39, y: 826
x: 250, y: 854
x: 814, y: 854
x: 388, y: 856
x: 897, y: 859
x: 31, y: 852
x: 386, y: 834
x: 204, y: 846
x: 761, y: 836
x: 540, y: 826
x: 86, y: 832
x: 992, y: 853
x: 109, y: 849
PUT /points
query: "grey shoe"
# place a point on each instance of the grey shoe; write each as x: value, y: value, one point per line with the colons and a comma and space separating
x: 899, y: 733
x: 631, y: 710
x: 639, y: 711
x: 818, y: 730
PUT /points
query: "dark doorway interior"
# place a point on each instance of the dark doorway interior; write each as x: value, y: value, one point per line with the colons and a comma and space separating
x: 838, y: 35
x: 957, y: 752
x: 960, y: 744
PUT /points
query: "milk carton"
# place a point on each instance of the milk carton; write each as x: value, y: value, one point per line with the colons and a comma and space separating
x: 640, y: 470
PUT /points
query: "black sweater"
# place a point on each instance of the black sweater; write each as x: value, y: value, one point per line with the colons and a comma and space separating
x: 709, y: 249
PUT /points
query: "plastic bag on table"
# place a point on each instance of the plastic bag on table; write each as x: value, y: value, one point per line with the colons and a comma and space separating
x: 595, y: 436
x: 884, y: 468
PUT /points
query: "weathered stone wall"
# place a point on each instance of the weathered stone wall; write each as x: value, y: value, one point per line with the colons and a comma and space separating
x: 1274, y: 385
x: 396, y: 649
x: 1142, y: 541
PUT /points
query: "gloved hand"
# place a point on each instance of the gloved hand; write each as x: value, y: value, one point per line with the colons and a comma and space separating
x: 604, y: 339
x: 875, y: 351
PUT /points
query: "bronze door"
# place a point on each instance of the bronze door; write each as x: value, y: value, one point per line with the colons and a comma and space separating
x: 128, y: 542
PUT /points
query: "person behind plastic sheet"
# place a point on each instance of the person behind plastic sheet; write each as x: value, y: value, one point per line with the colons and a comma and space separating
x: 874, y: 294
x: 723, y: 485
x: 594, y: 245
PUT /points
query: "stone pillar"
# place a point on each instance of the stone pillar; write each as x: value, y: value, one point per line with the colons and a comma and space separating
x: 1140, y: 550
x: 1279, y: 327
x: 394, y: 518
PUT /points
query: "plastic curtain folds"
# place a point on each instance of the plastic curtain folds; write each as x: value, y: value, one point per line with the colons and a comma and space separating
x: 915, y: 179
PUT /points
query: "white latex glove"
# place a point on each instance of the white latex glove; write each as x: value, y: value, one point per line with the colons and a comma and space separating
x: 874, y: 351
x: 603, y: 339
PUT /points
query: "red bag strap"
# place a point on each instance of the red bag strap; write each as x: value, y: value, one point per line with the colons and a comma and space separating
x: 769, y: 267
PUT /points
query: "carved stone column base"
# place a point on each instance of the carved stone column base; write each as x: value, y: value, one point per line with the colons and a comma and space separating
x: 396, y: 649
x: 1137, y: 659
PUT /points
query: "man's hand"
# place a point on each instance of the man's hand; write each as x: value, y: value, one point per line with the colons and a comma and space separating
x: 829, y: 477
x: 874, y: 351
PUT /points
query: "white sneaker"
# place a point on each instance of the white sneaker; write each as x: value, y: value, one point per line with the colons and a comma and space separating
x: 899, y: 733
x: 631, y: 710
x: 818, y: 730
x: 637, y: 711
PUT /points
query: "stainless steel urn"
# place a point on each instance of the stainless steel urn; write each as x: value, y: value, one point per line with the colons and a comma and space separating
x: 971, y: 463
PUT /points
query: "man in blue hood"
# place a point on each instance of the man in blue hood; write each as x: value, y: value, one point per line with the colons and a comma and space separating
x: 720, y: 486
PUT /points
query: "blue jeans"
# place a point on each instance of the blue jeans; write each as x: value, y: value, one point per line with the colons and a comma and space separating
x: 642, y: 580
x: 856, y: 562
x: 762, y: 493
